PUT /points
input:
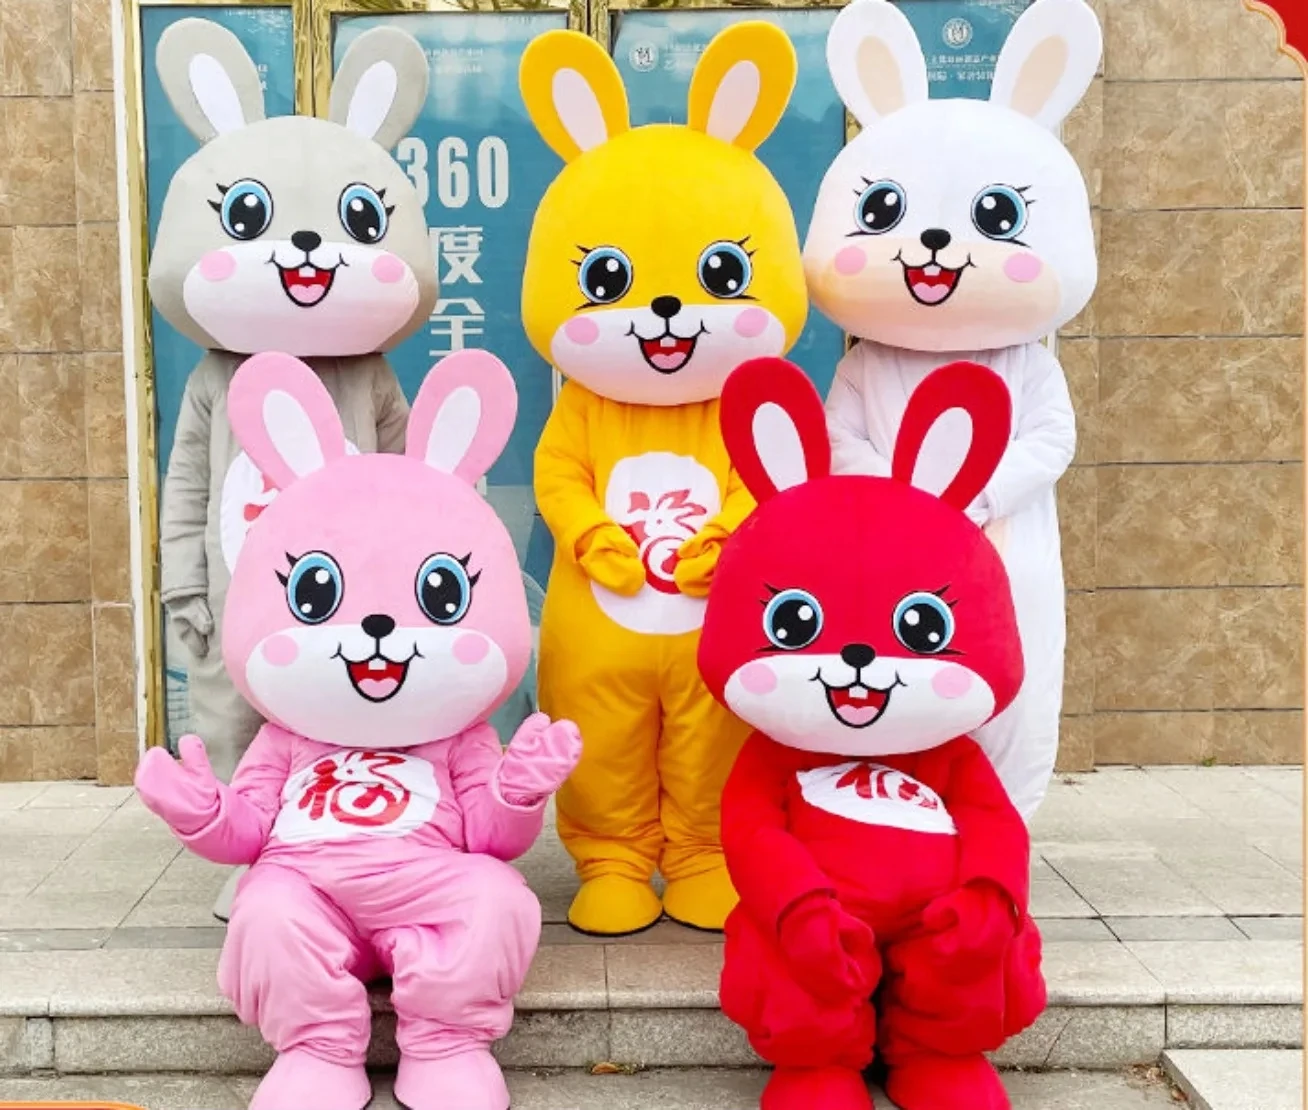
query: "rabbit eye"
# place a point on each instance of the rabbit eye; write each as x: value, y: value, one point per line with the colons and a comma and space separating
x: 792, y: 620
x: 605, y: 275
x: 725, y: 270
x: 924, y: 624
x: 246, y: 210
x: 880, y: 207
x: 999, y: 212
x: 363, y: 214
x: 314, y: 587
x: 445, y: 589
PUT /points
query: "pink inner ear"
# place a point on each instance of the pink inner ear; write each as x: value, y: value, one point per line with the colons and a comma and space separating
x: 439, y: 426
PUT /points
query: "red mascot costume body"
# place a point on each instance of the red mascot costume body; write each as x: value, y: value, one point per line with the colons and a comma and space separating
x: 864, y: 627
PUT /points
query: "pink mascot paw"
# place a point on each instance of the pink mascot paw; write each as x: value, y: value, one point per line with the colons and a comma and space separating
x: 185, y: 794
x: 298, y: 1080
x: 471, y: 1080
x: 540, y: 757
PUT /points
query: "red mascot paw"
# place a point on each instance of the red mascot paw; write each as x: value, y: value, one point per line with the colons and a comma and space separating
x: 973, y: 928
x: 833, y: 953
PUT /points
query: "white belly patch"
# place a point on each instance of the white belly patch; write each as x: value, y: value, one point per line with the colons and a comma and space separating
x: 873, y: 794
x: 660, y: 500
x: 355, y: 793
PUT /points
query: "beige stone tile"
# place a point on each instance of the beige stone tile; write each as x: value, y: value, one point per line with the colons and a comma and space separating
x: 1224, y: 400
x: 39, y: 148
x: 96, y: 157
x: 1078, y: 520
x: 1258, y: 649
x: 1229, y: 144
x: 15, y: 699
x: 115, y: 667
x: 110, y: 527
x: 36, y: 49
x: 46, y: 277
x: 1236, y: 972
x: 1151, y: 738
x: 1087, y: 322
x: 1241, y: 271
x: 15, y: 757
x: 52, y: 415
x: 102, y: 328
x: 106, y: 415
x: 1159, y: 525
x: 116, y: 756
x: 1258, y: 737
x: 1154, y: 649
x: 93, y: 56
x: 1080, y: 361
x: 1079, y: 666
x: 1083, y: 135
x: 646, y: 976
x: 1180, y: 39
x: 1260, y: 531
x: 13, y: 557
x: 63, y: 752
x: 11, y: 416
x: 6, y: 269
x: 1076, y: 744
x: 55, y: 542
x: 59, y: 661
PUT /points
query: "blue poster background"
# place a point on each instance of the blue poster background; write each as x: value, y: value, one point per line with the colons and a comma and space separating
x: 961, y: 40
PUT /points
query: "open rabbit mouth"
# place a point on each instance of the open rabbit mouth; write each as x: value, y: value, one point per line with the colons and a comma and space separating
x: 377, y: 678
x: 932, y: 284
x: 667, y: 353
x: 306, y: 285
x: 858, y: 705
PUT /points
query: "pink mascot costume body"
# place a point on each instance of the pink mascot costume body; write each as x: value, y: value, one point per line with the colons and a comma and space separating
x: 376, y: 618
x: 864, y: 627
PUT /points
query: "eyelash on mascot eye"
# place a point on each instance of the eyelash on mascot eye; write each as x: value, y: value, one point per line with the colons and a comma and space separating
x: 473, y: 576
x: 223, y: 190
x: 390, y: 208
x: 291, y: 560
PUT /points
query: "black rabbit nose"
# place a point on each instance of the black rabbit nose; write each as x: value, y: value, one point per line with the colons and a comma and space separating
x: 306, y: 241
x: 378, y: 625
x: 667, y: 307
x: 936, y: 238
x: 857, y: 656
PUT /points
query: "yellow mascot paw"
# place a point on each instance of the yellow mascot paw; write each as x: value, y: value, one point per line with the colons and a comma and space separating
x: 701, y: 901
x: 613, y: 906
x: 612, y: 560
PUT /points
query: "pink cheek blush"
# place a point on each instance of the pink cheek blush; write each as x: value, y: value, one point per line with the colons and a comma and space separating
x: 581, y: 331
x: 850, y: 261
x: 1023, y: 268
x: 758, y: 679
x: 217, y: 266
x: 388, y: 269
x: 280, y: 650
x: 952, y: 682
x: 471, y: 648
x: 751, y: 323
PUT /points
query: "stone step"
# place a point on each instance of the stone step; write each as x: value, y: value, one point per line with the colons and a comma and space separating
x: 1238, y: 1080
x: 716, y: 1089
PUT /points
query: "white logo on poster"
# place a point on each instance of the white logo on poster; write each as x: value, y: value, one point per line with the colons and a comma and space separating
x: 957, y: 33
x: 357, y: 793
x: 246, y: 493
x: 644, y: 57
x: 660, y: 500
x: 874, y: 794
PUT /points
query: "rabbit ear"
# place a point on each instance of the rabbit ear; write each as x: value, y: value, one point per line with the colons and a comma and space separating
x: 463, y: 415
x: 381, y: 86
x: 774, y: 426
x: 1048, y: 61
x: 742, y: 83
x: 875, y: 60
x: 284, y: 418
x: 573, y: 92
x: 977, y: 391
x: 208, y: 77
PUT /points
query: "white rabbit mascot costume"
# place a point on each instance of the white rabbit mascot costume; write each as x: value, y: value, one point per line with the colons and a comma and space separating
x: 960, y: 230
x: 290, y: 234
x: 376, y: 805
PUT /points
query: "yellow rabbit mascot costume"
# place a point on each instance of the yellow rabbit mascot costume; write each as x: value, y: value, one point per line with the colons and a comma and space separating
x: 660, y: 259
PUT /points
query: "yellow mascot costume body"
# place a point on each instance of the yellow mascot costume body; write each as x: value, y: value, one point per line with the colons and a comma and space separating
x: 660, y: 259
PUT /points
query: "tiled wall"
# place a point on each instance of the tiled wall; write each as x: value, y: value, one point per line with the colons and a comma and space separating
x: 1182, y: 517
x: 66, y: 643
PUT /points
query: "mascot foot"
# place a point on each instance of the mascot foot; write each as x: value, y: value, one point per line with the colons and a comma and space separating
x: 702, y: 901
x: 471, y: 1080
x: 613, y: 906
x: 811, y: 1088
x: 946, y: 1083
x: 298, y: 1080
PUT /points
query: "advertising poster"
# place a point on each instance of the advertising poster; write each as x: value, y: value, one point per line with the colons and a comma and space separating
x: 961, y: 40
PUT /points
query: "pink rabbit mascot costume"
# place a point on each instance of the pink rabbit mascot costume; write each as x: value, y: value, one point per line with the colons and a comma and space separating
x: 959, y: 230
x: 376, y: 618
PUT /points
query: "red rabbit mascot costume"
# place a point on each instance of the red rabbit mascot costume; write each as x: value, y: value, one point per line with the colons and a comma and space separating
x: 864, y: 627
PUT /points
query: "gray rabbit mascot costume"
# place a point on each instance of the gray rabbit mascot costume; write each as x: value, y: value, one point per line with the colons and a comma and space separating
x: 292, y: 234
